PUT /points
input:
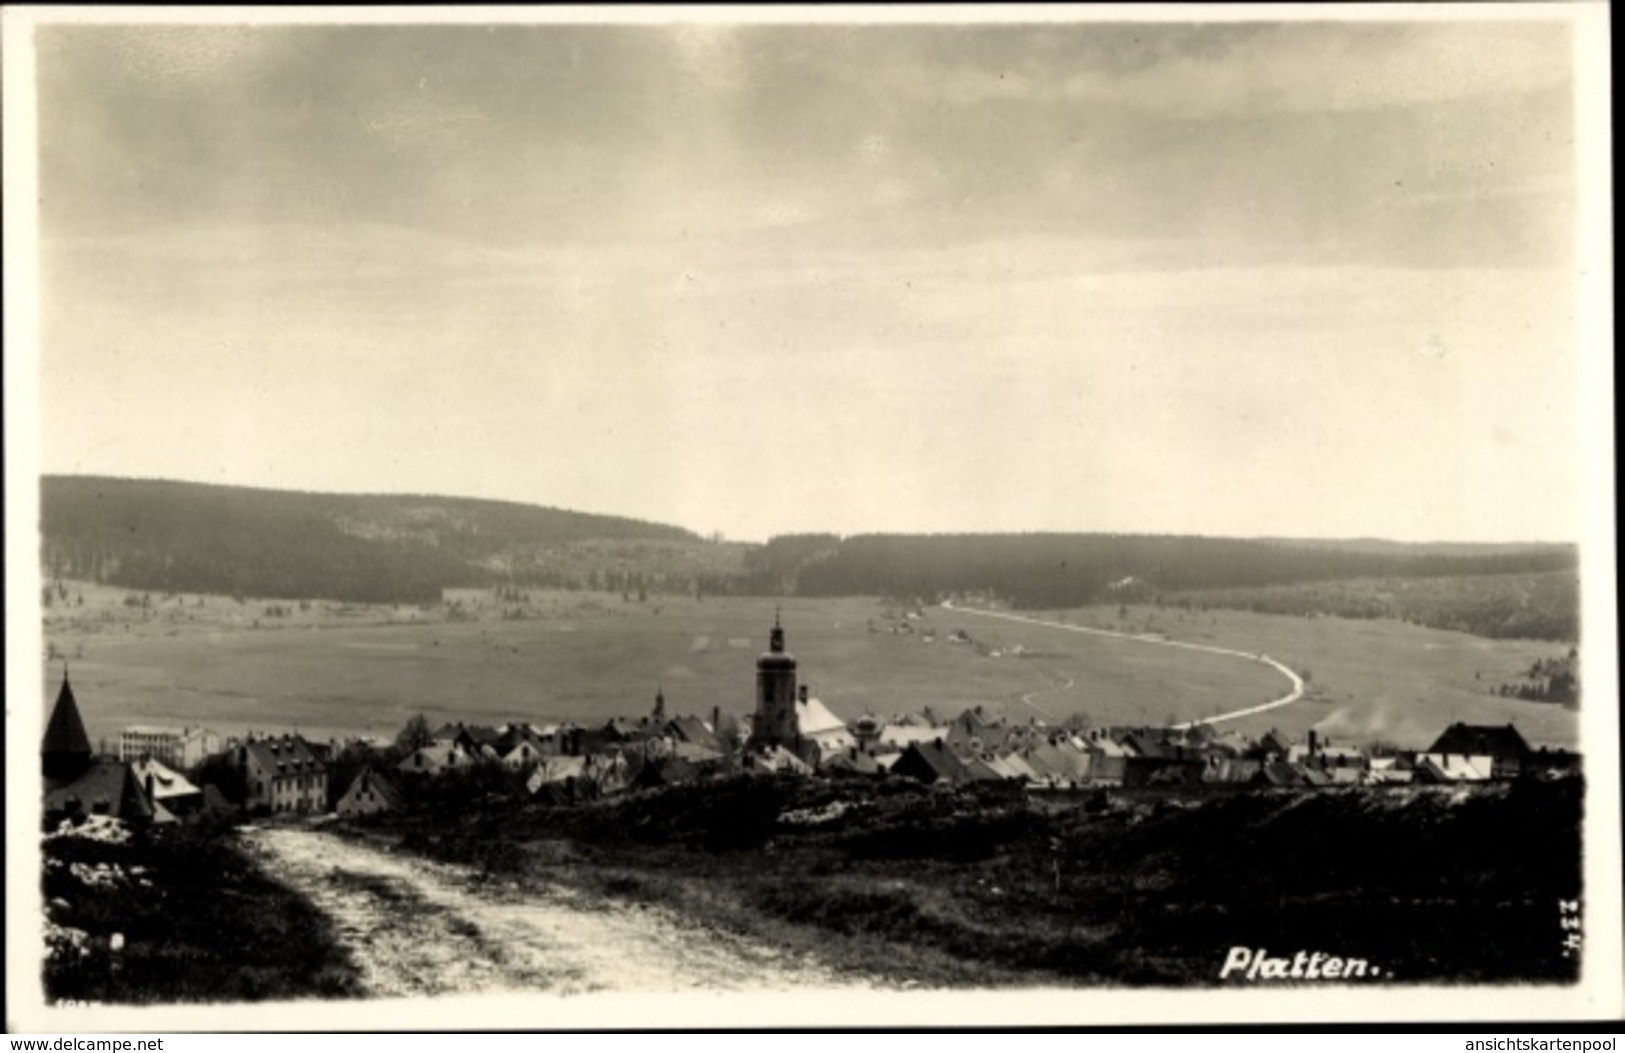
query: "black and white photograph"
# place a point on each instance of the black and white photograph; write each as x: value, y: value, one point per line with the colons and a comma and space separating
x: 873, y: 515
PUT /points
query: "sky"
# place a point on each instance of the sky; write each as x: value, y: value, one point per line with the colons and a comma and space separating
x: 1278, y: 278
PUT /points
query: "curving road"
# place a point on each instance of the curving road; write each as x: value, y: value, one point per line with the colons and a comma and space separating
x: 1285, y: 700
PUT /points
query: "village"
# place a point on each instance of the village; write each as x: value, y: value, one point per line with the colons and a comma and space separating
x: 162, y: 776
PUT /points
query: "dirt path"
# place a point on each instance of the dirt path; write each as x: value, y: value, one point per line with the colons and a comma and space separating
x: 417, y: 927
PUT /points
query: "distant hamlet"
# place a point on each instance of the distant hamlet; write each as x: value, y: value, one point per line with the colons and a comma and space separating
x: 886, y: 785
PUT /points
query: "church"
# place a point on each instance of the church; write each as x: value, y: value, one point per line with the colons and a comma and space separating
x: 786, y: 715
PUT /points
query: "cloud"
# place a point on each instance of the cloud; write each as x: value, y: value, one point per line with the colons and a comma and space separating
x: 1222, y: 69
x: 1333, y: 68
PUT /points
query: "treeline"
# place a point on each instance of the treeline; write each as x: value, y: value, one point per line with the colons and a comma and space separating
x: 1061, y: 570
x: 187, y: 537
x: 1548, y: 680
x: 168, y: 537
x: 1501, y: 606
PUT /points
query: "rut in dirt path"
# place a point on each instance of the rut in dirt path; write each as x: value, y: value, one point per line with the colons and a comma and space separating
x: 416, y: 927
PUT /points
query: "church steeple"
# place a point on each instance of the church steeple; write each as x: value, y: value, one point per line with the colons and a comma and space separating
x: 65, y: 751
x: 774, y: 722
x: 660, y: 704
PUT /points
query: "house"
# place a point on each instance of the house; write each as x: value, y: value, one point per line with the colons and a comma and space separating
x: 776, y: 758
x: 693, y: 730
x: 702, y: 758
x: 1145, y: 744
x: 434, y: 759
x: 1230, y: 743
x: 449, y: 733
x: 1233, y: 770
x: 664, y: 771
x: 1319, y: 752
x: 1283, y: 774
x: 553, y: 770
x: 167, y: 788
x: 283, y: 775
x: 866, y: 731
x: 617, y: 731
x: 853, y: 762
x: 1506, y: 748
x: 895, y: 738
x: 933, y: 762
x: 974, y: 731
x: 104, y: 787
x: 1107, y: 759
x: 475, y: 740
x: 819, y: 726
x: 1166, y: 768
x: 519, y: 747
x: 1025, y: 736
x: 1331, y: 758
x: 567, y: 779
x: 608, y: 773
x: 1454, y: 767
x: 369, y: 793
x: 986, y: 768
x: 1273, y: 745
x: 1389, y: 770
x: 558, y: 740
x: 1057, y: 764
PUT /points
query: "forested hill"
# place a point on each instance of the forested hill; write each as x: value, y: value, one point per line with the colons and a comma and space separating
x: 192, y: 537
x: 162, y: 536
x: 1498, y: 589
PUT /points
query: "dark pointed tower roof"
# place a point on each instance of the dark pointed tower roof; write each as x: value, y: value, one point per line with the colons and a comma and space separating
x: 66, y: 749
x: 776, y: 656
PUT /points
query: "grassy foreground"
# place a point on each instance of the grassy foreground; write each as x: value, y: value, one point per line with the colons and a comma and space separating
x: 958, y: 889
x: 199, y: 920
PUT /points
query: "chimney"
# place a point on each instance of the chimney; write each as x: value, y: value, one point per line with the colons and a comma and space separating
x: 803, y: 697
x: 1314, y: 744
x: 716, y: 719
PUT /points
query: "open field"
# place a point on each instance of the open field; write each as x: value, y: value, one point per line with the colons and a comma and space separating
x: 331, y: 669
x: 590, y: 656
x: 1368, y: 678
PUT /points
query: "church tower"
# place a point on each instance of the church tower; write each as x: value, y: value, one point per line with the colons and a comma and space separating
x: 65, y: 752
x: 775, y: 723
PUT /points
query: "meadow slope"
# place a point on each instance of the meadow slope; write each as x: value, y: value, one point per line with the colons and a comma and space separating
x: 330, y: 669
